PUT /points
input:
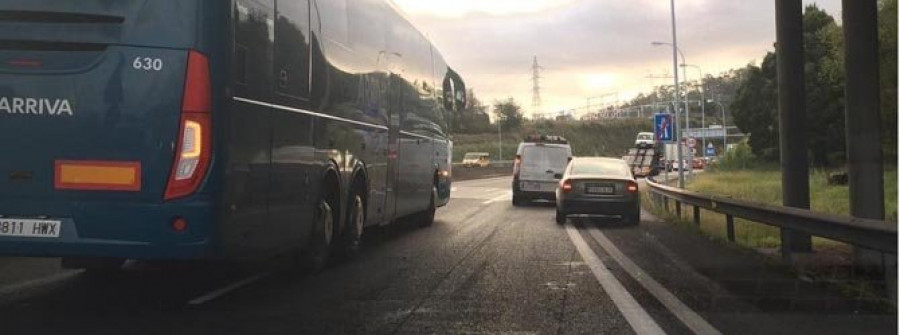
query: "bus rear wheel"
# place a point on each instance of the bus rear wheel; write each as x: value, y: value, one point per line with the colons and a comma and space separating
x: 356, y: 219
x: 427, y: 217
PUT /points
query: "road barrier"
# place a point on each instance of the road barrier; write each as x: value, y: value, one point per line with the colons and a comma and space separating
x: 496, y: 169
x: 870, y: 234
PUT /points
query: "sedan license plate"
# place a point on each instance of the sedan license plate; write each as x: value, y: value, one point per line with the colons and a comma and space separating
x: 30, y: 228
x: 600, y: 190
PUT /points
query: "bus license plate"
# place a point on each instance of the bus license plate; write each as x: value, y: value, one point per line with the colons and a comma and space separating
x: 30, y: 228
x: 600, y: 190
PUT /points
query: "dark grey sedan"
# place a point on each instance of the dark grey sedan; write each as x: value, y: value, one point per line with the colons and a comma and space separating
x: 598, y: 187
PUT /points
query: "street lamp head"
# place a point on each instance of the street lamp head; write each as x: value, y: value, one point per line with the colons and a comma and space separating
x: 656, y: 44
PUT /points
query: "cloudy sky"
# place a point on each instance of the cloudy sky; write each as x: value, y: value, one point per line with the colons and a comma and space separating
x: 591, y: 48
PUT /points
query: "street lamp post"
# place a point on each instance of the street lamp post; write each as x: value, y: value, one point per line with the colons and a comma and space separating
x: 499, y: 141
x: 702, y: 104
x: 687, y: 108
x: 675, y: 52
x: 724, y: 126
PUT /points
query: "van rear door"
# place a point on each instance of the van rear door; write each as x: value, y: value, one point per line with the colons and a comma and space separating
x: 539, y: 165
x: 91, y: 97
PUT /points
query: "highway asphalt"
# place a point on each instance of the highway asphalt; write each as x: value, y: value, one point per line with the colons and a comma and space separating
x: 484, y: 267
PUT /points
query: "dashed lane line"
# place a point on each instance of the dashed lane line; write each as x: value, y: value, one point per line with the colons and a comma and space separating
x: 227, y: 289
x: 634, y: 314
x: 506, y: 196
x: 51, y: 279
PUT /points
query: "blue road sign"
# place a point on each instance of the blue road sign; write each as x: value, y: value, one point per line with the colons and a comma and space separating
x: 710, y: 150
x: 664, y: 128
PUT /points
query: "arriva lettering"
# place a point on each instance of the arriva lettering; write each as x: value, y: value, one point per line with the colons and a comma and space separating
x: 33, y: 106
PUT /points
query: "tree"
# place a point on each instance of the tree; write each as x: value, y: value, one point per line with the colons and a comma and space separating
x: 824, y: 73
x: 755, y: 108
x: 474, y: 118
x: 508, y: 113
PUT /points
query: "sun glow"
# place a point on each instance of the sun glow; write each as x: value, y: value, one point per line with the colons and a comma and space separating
x: 460, y: 8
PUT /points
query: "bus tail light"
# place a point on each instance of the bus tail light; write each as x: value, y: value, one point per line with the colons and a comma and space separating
x: 194, y: 147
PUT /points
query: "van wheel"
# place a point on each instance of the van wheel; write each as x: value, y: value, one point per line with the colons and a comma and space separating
x: 356, y: 221
x: 517, y: 201
x: 315, y: 255
x: 427, y: 218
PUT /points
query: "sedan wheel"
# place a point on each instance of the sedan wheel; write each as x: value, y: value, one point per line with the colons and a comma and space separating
x: 560, y: 217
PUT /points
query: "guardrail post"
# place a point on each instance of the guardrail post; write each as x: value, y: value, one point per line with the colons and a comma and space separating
x: 890, y: 275
x: 697, y: 215
x: 729, y: 224
x: 678, y: 209
x: 786, y: 247
x: 666, y: 203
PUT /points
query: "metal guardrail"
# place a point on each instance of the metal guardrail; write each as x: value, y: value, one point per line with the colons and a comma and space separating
x: 870, y: 234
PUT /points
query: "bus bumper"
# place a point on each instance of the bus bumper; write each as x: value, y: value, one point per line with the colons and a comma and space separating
x: 120, y: 230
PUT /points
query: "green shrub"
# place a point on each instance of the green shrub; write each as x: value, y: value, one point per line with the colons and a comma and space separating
x: 741, y: 157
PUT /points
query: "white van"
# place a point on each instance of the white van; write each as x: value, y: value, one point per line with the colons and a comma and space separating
x: 538, y: 160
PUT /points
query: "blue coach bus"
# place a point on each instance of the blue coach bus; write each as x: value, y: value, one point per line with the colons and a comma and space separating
x: 216, y: 129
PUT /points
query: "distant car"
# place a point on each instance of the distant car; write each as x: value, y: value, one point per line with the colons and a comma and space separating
x: 598, y: 187
x: 699, y: 163
x: 479, y: 159
x: 538, y: 161
x: 675, y: 166
x: 644, y: 140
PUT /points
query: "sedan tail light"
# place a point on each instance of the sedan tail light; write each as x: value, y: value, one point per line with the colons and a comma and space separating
x: 566, y: 185
x: 631, y: 187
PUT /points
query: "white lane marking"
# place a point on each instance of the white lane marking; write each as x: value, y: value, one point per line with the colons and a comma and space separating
x: 38, y: 282
x: 684, y: 313
x: 503, y: 197
x: 636, y: 316
x: 227, y: 289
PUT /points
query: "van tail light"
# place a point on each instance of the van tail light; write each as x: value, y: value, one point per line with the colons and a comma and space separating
x: 566, y: 185
x: 517, y: 165
x: 194, y: 148
x: 632, y: 187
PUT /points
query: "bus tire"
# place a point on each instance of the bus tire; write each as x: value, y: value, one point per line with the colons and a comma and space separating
x: 427, y: 217
x: 351, y: 239
x: 316, y: 254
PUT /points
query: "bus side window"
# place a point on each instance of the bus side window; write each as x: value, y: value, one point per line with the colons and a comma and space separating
x: 292, y: 40
x: 253, y: 48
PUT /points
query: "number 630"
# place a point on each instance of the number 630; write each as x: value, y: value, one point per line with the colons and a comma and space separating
x: 147, y: 64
